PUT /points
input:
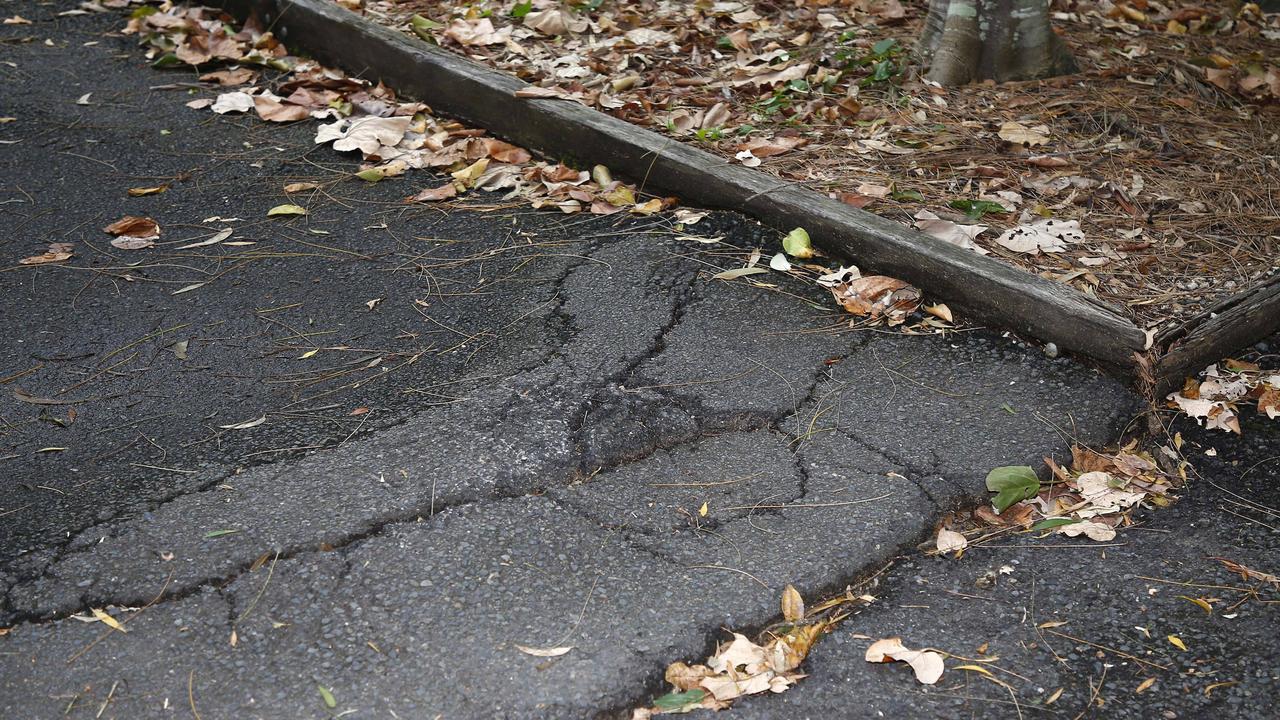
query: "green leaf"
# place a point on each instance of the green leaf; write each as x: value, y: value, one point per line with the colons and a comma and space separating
x: 371, y: 174
x: 144, y: 11
x: 219, y: 533
x: 521, y: 9
x: 422, y: 27
x: 797, y: 244
x: 1012, y: 483
x: 329, y: 700
x: 1053, y: 523
x: 975, y: 209
x: 287, y: 210
x: 166, y: 60
x: 677, y: 702
x: 906, y: 195
x: 883, y: 46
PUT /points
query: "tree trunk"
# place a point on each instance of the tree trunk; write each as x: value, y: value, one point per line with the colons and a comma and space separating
x: 969, y: 40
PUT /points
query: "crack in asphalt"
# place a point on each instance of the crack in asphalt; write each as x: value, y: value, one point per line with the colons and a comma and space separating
x: 85, y: 538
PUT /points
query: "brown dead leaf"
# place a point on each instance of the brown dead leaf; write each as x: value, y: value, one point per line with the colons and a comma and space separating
x: 1048, y: 161
x: 273, y: 109
x: 444, y: 192
x: 135, y: 227
x: 889, y: 11
x: 1247, y: 573
x: 686, y: 677
x: 506, y: 152
x: 1020, y: 134
x: 854, y: 199
x: 1018, y: 514
x: 476, y: 32
x: 768, y: 147
x: 878, y: 296
x: 226, y: 78
x: 57, y: 252
x: 144, y: 191
x: 1269, y: 402
x: 792, y: 605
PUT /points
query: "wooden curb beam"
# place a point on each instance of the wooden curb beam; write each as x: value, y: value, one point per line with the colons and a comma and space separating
x: 984, y: 289
x: 1236, y: 322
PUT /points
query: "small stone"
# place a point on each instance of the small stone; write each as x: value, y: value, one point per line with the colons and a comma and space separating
x: 1051, y: 350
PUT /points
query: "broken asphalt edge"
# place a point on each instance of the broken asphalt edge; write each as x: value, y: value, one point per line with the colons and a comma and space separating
x: 987, y: 290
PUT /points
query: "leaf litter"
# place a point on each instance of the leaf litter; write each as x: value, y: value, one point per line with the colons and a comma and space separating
x: 742, y: 666
x: 1214, y: 401
x: 1159, y: 132
x: 1092, y: 498
x: 393, y: 137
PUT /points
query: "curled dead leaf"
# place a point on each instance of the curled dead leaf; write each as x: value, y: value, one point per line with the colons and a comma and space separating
x: 444, y: 192
x: 928, y: 665
x: 57, y: 252
x: 686, y: 677
x: 792, y: 605
x: 951, y: 541
x: 544, y: 652
x: 877, y: 296
x: 135, y: 227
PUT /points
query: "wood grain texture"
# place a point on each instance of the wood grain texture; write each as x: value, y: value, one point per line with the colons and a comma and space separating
x: 1235, y: 323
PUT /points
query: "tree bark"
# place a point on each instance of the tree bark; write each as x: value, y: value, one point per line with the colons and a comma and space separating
x: 970, y: 40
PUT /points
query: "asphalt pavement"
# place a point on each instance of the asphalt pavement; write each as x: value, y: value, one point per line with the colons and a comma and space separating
x: 346, y: 463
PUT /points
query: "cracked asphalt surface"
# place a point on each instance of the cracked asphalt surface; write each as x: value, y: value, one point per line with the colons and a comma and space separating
x: 1075, y: 630
x: 480, y: 427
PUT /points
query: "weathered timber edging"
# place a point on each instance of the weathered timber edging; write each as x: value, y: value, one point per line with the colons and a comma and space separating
x: 984, y: 289
x: 1236, y: 322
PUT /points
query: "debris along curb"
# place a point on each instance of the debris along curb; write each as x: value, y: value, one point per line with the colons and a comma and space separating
x: 987, y: 290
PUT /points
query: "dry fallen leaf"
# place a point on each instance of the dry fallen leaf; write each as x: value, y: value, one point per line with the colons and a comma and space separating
x: 950, y: 540
x: 940, y: 311
x: 1047, y: 236
x: 245, y: 425
x: 274, y: 109
x: 367, y: 134
x: 544, y: 652
x: 444, y: 192
x: 107, y: 620
x: 233, y: 102
x: 57, y: 252
x: 962, y: 235
x: 286, y: 209
x: 238, y: 76
x: 1020, y: 134
x: 877, y: 296
x: 792, y: 605
x: 768, y: 147
x: 928, y: 665
x: 126, y: 242
x: 134, y: 233
x: 1100, y: 532
x: 134, y: 226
